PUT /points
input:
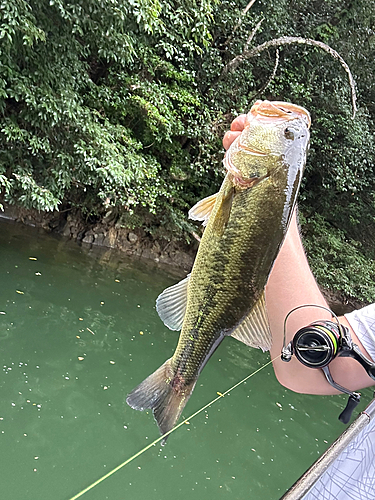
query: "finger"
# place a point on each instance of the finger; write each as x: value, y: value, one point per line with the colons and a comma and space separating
x: 238, y: 123
x: 229, y: 137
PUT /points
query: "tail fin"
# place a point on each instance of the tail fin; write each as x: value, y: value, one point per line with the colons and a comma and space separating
x: 166, y: 393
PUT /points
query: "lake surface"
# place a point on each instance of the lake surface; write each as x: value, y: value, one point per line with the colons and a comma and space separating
x: 78, y: 330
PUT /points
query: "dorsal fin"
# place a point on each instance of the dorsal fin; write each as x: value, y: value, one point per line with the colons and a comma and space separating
x: 171, y: 304
x: 254, y: 330
x: 202, y: 210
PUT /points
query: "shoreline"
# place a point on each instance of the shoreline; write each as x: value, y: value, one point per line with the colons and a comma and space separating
x: 106, y: 233
x: 176, y: 255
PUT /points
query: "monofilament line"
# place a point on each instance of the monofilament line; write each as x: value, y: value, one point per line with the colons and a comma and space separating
x: 167, y: 433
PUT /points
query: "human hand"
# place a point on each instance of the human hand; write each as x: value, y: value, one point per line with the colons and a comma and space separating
x: 237, y: 126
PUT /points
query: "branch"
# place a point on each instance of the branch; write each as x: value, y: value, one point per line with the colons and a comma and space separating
x: 239, y: 22
x: 262, y: 89
x: 252, y: 34
x: 248, y: 7
x: 289, y: 40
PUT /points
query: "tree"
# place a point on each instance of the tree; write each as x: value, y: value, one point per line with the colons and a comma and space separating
x: 117, y: 106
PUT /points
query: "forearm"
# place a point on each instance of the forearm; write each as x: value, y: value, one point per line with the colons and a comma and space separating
x: 292, y: 284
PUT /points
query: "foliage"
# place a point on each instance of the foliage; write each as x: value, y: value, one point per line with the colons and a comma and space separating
x: 337, y: 262
x: 115, y: 104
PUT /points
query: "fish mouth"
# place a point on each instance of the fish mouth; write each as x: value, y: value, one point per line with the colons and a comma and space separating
x: 266, y: 111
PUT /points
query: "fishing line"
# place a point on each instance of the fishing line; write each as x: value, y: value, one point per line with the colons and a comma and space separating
x: 221, y: 395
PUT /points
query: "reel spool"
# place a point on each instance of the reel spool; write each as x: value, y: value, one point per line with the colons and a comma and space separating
x: 317, y: 344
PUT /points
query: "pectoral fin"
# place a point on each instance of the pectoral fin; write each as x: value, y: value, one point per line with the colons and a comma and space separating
x: 171, y: 304
x: 222, y: 214
x: 254, y: 330
x: 202, y: 210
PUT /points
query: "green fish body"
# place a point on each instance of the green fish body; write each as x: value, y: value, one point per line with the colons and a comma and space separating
x: 246, y: 223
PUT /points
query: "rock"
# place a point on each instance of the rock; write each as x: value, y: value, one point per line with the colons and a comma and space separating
x: 164, y: 258
x: 111, y: 238
x: 89, y: 238
x: 46, y: 227
x: 74, y: 232
x: 99, y: 239
x: 132, y: 237
x: 54, y: 223
x: 156, y: 248
x: 122, y: 240
x: 147, y: 254
x: 66, y: 230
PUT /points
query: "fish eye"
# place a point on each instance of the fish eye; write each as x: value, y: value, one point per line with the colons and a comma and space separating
x: 289, y: 134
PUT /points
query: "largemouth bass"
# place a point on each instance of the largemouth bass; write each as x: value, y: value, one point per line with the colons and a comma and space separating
x: 246, y: 222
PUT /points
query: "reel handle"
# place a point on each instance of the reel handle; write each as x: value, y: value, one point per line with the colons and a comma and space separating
x: 353, y: 400
x: 346, y: 414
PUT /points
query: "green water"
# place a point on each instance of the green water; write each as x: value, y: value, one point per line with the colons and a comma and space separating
x: 64, y: 422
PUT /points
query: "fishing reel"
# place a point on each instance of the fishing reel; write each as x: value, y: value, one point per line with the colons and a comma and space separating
x: 317, y: 344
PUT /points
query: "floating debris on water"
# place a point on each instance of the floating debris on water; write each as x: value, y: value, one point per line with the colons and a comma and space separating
x: 141, y: 333
x: 88, y: 329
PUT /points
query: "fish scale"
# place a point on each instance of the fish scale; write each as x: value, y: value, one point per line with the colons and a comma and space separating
x: 246, y: 223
